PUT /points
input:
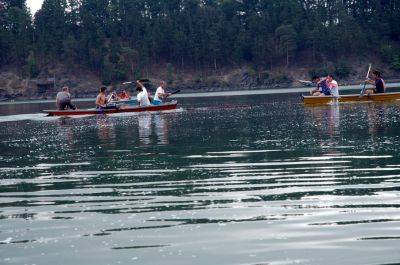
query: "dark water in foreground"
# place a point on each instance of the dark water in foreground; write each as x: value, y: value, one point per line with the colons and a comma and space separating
x: 229, y: 180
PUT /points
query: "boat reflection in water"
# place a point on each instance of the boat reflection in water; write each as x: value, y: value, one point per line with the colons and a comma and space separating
x: 326, y: 121
x: 106, y: 132
x: 65, y: 132
x: 377, y: 116
x: 150, y: 124
x: 144, y: 120
x: 162, y: 129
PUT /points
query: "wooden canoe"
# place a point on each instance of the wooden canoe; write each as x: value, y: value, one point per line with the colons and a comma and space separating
x: 123, y: 109
x: 352, y: 98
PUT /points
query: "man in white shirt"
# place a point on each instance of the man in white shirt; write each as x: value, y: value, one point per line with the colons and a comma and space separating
x: 142, y: 97
x: 333, y: 86
x: 160, y: 95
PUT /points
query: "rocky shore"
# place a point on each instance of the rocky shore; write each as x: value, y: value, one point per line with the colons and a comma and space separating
x: 14, y: 86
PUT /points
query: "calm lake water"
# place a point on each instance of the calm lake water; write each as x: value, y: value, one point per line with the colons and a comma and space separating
x: 227, y: 180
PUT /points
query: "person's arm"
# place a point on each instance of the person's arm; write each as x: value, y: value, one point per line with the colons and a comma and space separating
x: 371, y: 82
x: 139, y: 83
x: 164, y: 95
x: 315, y: 90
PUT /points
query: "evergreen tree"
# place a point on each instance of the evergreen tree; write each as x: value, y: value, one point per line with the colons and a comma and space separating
x: 286, y: 39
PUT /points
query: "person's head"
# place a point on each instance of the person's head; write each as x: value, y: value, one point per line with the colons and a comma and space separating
x: 376, y: 74
x: 65, y: 89
x: 103, y: 89
x: 163, y: 83
x: 329, y: 77
x: 139, y: 88
x: 315, y: 79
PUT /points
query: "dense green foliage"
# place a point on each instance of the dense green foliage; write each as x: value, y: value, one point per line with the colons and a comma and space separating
x: 117, y: 38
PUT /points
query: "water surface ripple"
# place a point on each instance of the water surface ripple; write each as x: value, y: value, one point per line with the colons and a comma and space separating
x: 235, y: 180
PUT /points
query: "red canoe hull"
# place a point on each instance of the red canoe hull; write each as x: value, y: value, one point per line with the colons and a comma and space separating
x: 167, y: 106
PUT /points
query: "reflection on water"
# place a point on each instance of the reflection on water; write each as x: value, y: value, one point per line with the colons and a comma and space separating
x: 377, y: 114
x: 161, y: 128
x: 272, y: 183
x: 145, y: 128
x: 106, y: 132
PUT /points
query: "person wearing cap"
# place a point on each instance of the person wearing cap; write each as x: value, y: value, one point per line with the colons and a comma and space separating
x: 143, y: 96
x: 63, y: 99
x: 377, y: 82
x: 160, y: 95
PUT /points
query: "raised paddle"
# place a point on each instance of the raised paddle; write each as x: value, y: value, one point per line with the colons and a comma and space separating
x: 365, y: 83
x: 306, y: 82
x: 131, y: 82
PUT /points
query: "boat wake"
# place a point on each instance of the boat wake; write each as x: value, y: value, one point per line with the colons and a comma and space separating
x: 44, y: 117
x: 23, y: 117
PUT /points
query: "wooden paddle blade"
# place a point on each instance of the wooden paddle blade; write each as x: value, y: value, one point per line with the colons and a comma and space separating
x: 144, y: 80
x: 176, y: 91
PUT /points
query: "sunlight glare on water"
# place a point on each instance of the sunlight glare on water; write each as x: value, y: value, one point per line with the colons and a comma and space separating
x: 234, y: 180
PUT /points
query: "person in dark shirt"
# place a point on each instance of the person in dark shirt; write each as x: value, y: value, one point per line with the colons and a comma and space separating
x: 377, y: 82
x: 63, y: 99
x: 322, y: 88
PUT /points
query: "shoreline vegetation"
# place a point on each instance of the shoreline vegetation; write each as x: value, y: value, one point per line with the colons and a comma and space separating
x: 194, y: 45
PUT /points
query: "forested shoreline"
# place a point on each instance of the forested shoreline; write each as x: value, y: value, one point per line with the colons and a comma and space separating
x: 118, y: 40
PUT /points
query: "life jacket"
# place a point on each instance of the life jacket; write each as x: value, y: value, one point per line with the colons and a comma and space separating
x: 123, y: 95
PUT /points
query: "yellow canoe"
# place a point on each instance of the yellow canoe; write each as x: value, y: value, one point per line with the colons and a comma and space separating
x: 352, y: 98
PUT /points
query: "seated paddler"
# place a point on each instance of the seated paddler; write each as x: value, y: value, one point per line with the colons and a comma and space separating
x: 377, y: 82
x: 322, y: 88
x: 101, y: 100
x: 63, y: 99
x: 160, y: 94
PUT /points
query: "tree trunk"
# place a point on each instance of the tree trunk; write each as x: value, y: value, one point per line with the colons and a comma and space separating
x: 287, y: 57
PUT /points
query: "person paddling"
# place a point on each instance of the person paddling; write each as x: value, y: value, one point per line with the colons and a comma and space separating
x: 63, y: 99
x: 322, y: 88
x: 101, y: 99
x: 160, y: 95
x: 377, y: 82
x: 142, y: 97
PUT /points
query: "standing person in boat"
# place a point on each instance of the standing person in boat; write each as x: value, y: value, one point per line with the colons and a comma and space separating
x: 333, y: 85
x: 63, y: 99
x: 377, y: 82
x: 101, y: 99
x: 142, y: 97
x: 322, y: 88
x: 160, y: 95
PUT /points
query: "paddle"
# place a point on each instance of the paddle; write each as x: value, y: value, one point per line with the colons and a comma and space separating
x: 306, y: 82
x: 176, y: 91
x: 131, y: 82
x: 365, y: 83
